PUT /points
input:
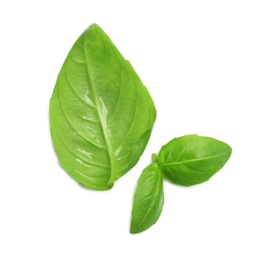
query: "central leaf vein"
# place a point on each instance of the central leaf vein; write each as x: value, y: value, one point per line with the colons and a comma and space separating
x: 102, y: 121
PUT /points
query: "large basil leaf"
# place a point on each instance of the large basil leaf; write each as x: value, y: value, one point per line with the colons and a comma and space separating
x: 192, y: 159
x: 148, y: 199
x: 101, y: 114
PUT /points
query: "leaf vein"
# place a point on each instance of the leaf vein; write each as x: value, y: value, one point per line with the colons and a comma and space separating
x: 69, y: 83
x: 132, y: 122
x: 119, y: 97
x: 76, y: 61
x: 78, y: 115
x: 197, y: 159
x: 152, y: 203
x: 77, y: 156
x: 105, y: 135
x: 61, y: 108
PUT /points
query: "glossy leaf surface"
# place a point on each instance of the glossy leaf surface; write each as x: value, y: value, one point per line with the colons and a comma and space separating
x: 192, y: 159
x: 101, y: 114
x: 148, y: 199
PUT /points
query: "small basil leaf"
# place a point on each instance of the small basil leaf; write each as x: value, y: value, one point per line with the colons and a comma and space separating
x: 101, y: 114
x: 192, y: 159
x: 148, y: 199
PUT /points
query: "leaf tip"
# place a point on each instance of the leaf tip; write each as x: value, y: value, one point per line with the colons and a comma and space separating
x: 135, y: 229
x: 132, y: 230
x: 93, y: 26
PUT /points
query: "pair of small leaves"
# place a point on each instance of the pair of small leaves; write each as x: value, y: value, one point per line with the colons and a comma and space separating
x: 186, y: 161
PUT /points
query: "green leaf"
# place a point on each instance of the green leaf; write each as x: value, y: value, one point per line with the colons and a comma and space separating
x: 192, y: 159
x: 148, y: 199
x: 101, y: 114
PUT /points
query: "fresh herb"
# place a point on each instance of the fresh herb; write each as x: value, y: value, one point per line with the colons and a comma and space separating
x: 193, y: 159
x: 186, y: 160
x: 101, y: 114
x: 148, y: 199
x: 101, y: 118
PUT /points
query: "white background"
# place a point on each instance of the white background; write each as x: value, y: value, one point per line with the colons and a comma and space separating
x: 209, y: 66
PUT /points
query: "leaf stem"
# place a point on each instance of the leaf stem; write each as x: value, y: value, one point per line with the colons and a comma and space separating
x: 154, y: 158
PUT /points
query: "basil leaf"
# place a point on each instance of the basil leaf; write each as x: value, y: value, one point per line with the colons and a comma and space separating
x: 148, y: 199
x: 101, y: 114
x: 192, y: 159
